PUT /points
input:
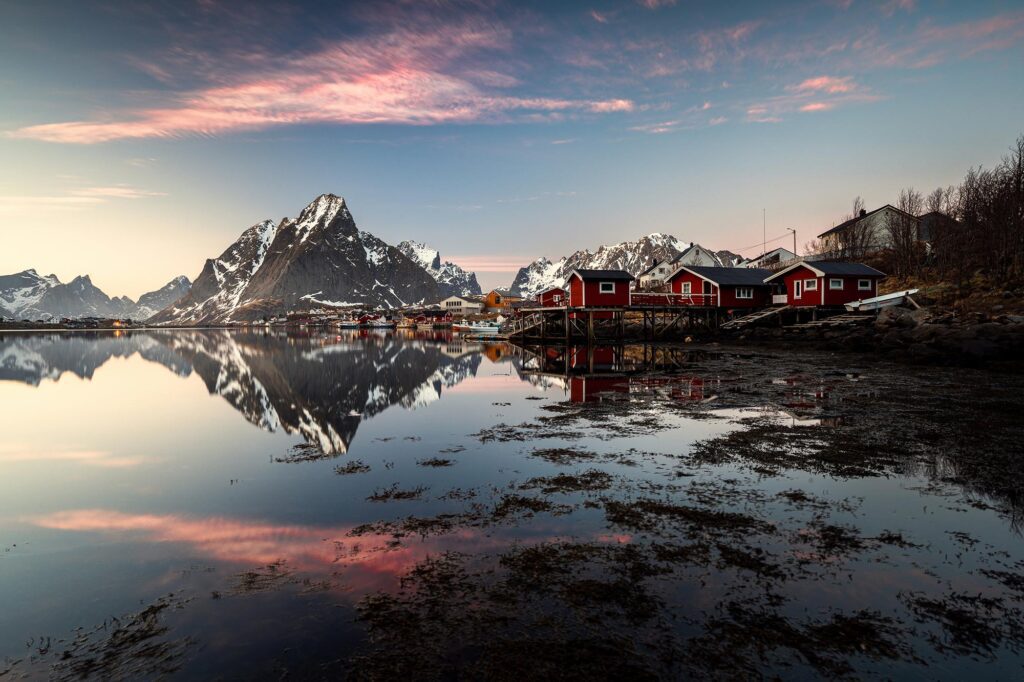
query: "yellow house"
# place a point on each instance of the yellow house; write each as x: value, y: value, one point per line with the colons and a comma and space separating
x: 498, y: 299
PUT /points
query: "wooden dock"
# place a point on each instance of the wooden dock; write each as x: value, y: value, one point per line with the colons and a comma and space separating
x: 636, y: 322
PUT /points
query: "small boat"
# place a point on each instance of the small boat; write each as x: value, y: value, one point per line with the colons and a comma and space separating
x: 347, y: 324
x: 477, y: 328
x: 879, y: 302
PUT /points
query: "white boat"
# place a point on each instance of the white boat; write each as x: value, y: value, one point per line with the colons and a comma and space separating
x: 477, y: 328
x: 379, y: 323
x: 879, y: 302
x: 347, y: 324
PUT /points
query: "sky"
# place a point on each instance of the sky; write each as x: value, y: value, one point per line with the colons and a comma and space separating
x: 138, y: 139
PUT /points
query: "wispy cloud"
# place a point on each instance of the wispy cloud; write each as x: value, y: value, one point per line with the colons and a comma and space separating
x: 400, y: 77
x: 75, y: 198
x: 829, y: 84
x: 656, y: 4
x: 820, y: 93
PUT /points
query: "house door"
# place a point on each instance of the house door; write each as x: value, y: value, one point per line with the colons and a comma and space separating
x: 707, y: 293
x: 798, y: 289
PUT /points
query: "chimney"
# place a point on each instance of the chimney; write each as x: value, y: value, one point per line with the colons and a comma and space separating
x: 863, y: 213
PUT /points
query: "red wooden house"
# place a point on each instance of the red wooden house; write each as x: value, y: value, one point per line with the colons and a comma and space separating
x: 817, y: 283
x: 552, y: 297
x: 599, y: 289
x: 721, y: 287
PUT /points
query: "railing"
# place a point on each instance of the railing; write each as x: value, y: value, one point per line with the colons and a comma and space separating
x: 779, y: 299
x: 642, y: 298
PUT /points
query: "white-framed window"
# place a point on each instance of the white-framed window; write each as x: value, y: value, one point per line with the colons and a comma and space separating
x: 744, y: 292
x: 798, y: 289
x: 497, y: 299
x: 661, y: 271
x: 835, y: 283
x: 686, y: 287
x: 607, y: 287
x: 556, y: 298
x: 811, y: 284
x: 864, y: 285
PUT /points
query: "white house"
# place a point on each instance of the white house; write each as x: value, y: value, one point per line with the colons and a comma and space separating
x: 462, y: 305
x: 770, y: 259
x: 866, y: 232
x: 695, y: 254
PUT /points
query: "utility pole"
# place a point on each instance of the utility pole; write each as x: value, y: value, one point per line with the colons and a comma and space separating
x: 764, y: 233
x: 794, y: 239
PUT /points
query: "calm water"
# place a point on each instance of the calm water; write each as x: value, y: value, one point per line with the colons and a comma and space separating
x: 237, y: 504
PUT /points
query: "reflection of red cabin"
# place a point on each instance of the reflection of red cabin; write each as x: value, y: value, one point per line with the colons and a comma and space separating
x: 603, y: 357
x: 599, y: 289
x: 549, y: 298
x: 587, y: 389
x: 721, y: 287
x: 827, y: 284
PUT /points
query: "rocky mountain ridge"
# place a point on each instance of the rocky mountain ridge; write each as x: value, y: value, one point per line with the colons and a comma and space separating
x: 29, y: 295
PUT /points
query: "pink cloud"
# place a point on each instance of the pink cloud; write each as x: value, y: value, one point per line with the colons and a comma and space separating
x: 817, y: 106
x: 402, y: 77
x: 829, y: 84
x: 598, y: 16
x: 612, y: 105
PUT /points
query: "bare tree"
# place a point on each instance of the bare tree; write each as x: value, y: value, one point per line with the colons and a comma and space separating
x: 901, y: 231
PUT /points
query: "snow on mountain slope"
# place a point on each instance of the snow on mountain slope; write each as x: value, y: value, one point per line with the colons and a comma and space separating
x: 29, y: 295
x: 318, y: 257
x: 631, y: 256
x: 451, y: 279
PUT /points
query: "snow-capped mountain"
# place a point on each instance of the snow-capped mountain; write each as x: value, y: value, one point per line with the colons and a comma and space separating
x: 633, y: 257
x: 451, y: 279
x: 321, y: 257
x: 153, y: 302
x: 29, y: 295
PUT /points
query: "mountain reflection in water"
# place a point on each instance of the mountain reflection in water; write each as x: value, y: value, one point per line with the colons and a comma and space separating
x: 318, y: 387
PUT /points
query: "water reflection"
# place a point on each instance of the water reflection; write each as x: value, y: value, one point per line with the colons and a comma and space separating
x: 320, y: 387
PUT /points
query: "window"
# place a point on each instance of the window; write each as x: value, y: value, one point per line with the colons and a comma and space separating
x: 497, y: 299
x: 744, y: 292
x: 661, y: 271
x: 864, y: 285
x: 686, y: 287
x: 798, y: 289
x: 811, y: 284
x: 607, y: 287
x: 835, y: 283
x: 556, y: 298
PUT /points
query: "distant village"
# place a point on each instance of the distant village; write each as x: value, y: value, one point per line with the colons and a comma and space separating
x: 828, y: 281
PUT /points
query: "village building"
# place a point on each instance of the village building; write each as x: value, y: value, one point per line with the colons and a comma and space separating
x: 865, y: 233
x: 599, y: 289
x: 771, y: 260
x: 462, y: 305
x: 721, y: 287
x: 820, y: 283
x: 551, y: 297
x: 653, y: 278
x: 498, y: 300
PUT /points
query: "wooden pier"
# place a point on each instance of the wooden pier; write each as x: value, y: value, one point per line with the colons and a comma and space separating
x: 591, y: 324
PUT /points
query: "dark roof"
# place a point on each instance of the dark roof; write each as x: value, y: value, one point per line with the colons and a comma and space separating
x: 730, y: 276
x: 603, y: 274
x: 845, y: 269
x: 856, y: 219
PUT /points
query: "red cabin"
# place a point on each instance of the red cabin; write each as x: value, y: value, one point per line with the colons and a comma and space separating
x: 721, y: 287
x: 827, y: 284
x: 550, y: 298
x: 599, y: 289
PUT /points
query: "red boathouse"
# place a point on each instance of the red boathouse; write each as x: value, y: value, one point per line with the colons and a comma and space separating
x: 599, y: 289
x: 721, y: 287
x: 817, y: 283
x: 550, y: 298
